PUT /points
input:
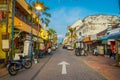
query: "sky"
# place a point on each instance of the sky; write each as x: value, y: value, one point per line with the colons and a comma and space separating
x: 65, y: 12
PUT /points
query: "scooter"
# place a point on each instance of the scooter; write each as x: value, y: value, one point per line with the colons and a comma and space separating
x: 78, y: 51
x: 14, y: 66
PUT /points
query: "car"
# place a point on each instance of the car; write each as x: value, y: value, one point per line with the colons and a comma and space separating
x: 69, y: 47
x: 64, y: 47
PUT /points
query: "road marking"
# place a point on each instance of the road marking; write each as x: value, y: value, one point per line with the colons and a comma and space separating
x: 63, y: 63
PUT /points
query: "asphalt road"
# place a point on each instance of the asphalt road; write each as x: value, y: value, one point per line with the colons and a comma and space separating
x: 49, y: 68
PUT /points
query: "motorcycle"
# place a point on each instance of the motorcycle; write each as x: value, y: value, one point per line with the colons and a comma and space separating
x: 77, y: 51
x: 80, y: 52
x: 14, y: 66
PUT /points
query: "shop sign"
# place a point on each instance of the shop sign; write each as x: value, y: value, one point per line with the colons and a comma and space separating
x: 5, y: 44
x: 1, y: 15
x: 26, y: 48
x: 86, y: 39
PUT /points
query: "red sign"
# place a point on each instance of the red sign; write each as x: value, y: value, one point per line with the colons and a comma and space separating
x: 0, y: 15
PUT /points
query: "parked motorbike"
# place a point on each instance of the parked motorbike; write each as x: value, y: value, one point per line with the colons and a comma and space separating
x: 15, y: 65
x: 80, y: 52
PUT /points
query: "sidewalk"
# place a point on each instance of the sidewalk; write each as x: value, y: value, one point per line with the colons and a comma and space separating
x: 3, y: 72
x: 105, y: 66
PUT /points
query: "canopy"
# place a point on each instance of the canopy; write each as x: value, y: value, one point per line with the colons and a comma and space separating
x: 111, y: 36
x: 103, y: 38
x: 114, y: 36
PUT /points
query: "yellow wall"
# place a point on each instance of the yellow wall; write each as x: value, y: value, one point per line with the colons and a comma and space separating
x: 2, y: 54
x: 2, y: 29
x: 19, y: 24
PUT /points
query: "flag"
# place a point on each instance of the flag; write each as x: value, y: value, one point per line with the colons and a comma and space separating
x: 0, y: 15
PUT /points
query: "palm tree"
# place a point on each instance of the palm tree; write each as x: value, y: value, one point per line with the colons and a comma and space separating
x: 52, y: 34
x: 44, y: 19
x: 71, y: 33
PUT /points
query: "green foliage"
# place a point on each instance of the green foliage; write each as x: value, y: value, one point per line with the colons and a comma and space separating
x: 71, y: 30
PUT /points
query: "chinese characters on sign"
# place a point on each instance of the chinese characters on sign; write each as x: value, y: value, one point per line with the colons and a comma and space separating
x: 0, y: 15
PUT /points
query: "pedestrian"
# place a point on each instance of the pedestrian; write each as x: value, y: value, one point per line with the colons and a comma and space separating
x: 109, y: 51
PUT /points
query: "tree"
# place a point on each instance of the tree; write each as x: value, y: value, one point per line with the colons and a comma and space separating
x: 43, y: 11
x: 52, y: 34
x: 71, y: 33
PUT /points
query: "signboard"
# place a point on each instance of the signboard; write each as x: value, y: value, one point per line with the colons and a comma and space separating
x: 5, y: 44
x: 1, y: 15
x: 26, y: 48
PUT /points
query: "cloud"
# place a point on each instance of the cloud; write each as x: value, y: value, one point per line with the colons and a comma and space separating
x: 62, y: 17
x: 65, y: 16
x: 60, y: 36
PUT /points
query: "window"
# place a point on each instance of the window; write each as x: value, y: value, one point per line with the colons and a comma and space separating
x: 29, y: 22
x: 17, y: 12
x: 21, y: 15
x: 25, y: 19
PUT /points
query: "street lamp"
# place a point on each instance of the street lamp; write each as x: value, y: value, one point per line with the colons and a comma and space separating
x: 39, y: 7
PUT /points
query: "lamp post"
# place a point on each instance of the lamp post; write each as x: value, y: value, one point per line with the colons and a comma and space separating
x: 12, y: 28
x: 6, y: 36
x: 38, y: 7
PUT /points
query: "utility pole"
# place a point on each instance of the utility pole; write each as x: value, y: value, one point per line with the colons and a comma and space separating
x: 12, y: 28
x: 7, y: 22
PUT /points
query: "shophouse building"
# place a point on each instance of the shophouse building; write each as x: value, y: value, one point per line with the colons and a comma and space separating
x: 20, y: 28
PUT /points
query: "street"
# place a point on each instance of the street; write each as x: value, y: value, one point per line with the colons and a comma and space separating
x: 50, y: 68
x: 59, y: 40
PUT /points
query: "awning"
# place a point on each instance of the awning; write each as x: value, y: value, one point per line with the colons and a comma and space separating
x: 114, y: 36
x: 103, y: 38
x: 111, y: 36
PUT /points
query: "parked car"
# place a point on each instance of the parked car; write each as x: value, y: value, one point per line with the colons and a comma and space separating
x: 69, y: 47
x: 64, y: 47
